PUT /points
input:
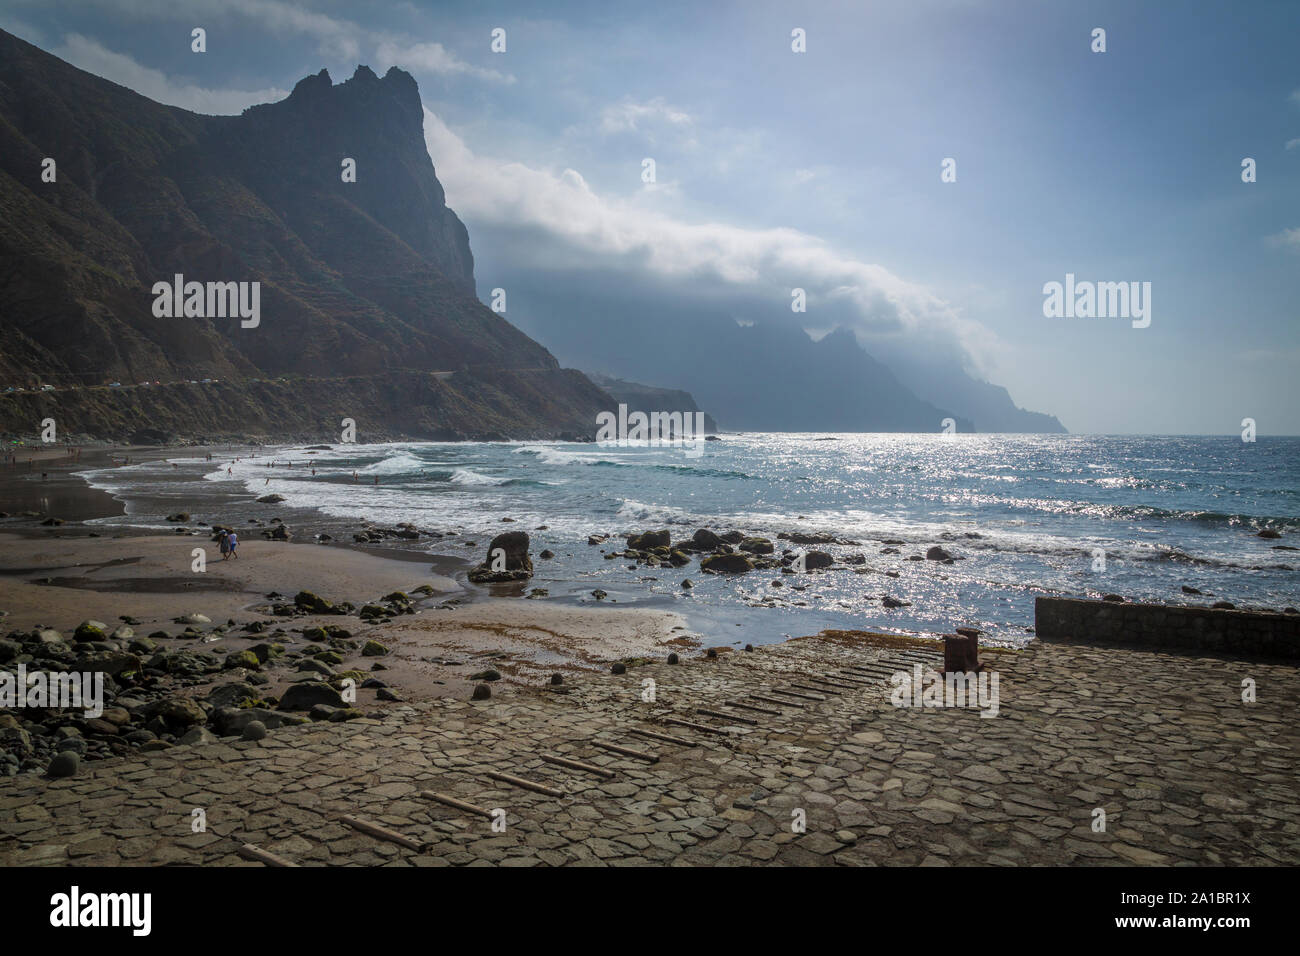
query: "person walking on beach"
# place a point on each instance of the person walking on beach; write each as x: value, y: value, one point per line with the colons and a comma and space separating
x: 234, y: 544
x: 223, y: 541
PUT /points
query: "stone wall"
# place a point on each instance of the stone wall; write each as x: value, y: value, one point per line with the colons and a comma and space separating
x: 1157, y: 626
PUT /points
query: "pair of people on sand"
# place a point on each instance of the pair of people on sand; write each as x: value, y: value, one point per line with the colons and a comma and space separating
x: 229, y: 544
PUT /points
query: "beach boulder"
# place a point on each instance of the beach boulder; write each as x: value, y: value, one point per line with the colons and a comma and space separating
x: 807, y: 537
x: 726, y: 564
x: 179, y: 711
x: 232, y: 695
x: 815, y: 560
x: 313, y: 603
x: 305, y: 696
x: 112, y: 663
x: 649, y: 540
x: 231, y: 721
x: 91, y: 631
x: 705, y: 540
x: 507, y: 560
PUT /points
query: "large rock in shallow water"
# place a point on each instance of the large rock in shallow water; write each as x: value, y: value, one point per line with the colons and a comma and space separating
x: 815, y: 560
x: 807, y: 537
x: 727, y: 564
x: 649, y: 540
x: 507, y: 560
x: 705, y: 540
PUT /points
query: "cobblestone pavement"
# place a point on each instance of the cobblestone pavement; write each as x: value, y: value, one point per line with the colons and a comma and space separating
x: 1185, y: 772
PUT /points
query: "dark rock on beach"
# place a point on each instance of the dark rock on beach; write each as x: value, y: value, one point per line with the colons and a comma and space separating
x: 308, y: 695
x: 649, y: 540
x: 815, y: 560
x: 509, y: 549
x: 705, y: 540
x: 726, y: 564
x: 807, y: 537
x: 757, y: 546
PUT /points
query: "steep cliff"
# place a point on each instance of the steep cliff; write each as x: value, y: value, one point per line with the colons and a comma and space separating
x: 360, y: 278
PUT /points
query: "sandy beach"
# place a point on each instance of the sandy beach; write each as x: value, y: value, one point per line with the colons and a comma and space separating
x: 172, y: 596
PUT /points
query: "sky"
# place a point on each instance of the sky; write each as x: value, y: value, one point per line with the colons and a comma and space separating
x: 821, y: 169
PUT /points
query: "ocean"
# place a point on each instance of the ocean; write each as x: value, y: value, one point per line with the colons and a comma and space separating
x: 1024, y: 514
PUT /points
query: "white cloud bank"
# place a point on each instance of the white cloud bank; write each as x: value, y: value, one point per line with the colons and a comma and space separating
x: 627, y: 115
x: 93, y: 57
x: 615, y: 232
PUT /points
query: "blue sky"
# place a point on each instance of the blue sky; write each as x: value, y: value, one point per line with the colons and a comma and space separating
x: 822, y: 169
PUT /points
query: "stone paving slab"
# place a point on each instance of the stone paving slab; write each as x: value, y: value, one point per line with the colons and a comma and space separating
x: 1185, y: 772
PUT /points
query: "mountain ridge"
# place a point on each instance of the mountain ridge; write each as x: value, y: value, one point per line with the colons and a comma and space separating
x: 365, y: 278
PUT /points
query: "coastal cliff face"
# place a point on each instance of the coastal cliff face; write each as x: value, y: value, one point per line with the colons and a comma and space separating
x: 650, y: 398
x: 372, y: 277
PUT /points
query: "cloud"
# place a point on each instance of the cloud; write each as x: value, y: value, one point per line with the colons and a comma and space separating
x: 335, y: 38
x: 1287, y: 239
x: 627, y: 116
x: 614, y: 233
x: 91, y: 56
x: 350, y: 41
x: 432, y: 58
x: 22, y: 29
x: 1293, y: 143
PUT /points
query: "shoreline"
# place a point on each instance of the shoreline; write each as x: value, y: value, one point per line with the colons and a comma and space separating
x: 239, y: 699
x: 373, y: 616
x: 415, y: 630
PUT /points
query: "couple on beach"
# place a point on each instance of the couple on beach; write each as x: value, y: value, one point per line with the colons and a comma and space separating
x: 229, y: 543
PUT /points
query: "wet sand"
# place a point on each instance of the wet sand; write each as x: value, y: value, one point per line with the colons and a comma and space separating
x: 62, y: 574
x: 58, y: 577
